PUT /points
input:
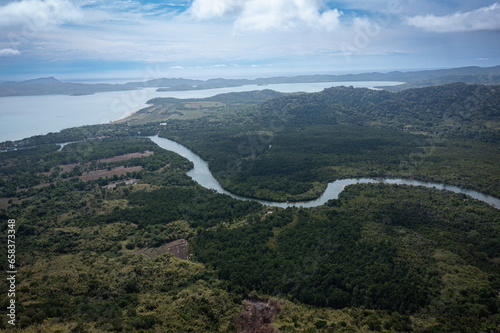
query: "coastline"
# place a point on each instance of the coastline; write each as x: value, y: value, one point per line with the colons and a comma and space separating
x: 119, y: 120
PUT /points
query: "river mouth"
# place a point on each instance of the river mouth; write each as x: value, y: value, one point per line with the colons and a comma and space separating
x: 202, y: 175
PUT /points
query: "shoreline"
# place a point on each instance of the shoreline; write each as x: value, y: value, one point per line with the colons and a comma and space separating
x: 124, y: 117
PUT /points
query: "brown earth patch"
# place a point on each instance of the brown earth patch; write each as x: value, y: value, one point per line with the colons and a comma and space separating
x: 92, y: 175
x: 42, y: 185
x: 121, y: 170
x: 126, y: 157
x: 4, y: 202
x: 67, y: 167
x: 177, y: 248
x: 258, y: 317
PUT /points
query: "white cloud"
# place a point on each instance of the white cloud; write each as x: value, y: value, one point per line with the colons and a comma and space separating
x: 485, y: 18
x: 9, y: 52
x: 38, y: 14
x: 263, y: 15
x: 207, y: 9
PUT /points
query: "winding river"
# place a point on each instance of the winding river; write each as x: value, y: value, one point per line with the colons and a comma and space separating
x: 202, y: 175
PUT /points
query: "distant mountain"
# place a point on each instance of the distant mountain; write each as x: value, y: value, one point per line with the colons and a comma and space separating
x: 446, y: 79
x: 243, y: 97
x: 165, y: 82
x: 42, y: 80
x: 52, y: 86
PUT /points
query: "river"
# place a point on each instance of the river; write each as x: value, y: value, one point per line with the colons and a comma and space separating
x: 202, y: 175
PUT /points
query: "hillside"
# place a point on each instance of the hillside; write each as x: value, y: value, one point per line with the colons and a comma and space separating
x: 288, y: 148
x: 113, y: 236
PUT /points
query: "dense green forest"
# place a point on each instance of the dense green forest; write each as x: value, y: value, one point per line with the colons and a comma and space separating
x: 393, y: 254
x: 95, y: 220
x: 288, y: 148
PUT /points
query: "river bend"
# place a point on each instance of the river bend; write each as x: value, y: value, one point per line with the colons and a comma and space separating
x: 202, y: 175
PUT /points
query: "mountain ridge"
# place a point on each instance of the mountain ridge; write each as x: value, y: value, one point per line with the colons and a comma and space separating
x: 52, y: 86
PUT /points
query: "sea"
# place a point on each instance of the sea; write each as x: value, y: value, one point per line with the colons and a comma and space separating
x: 26, y: 116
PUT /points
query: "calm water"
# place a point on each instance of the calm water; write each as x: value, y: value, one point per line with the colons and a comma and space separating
x: 202, y: 175
x: 25, y: 116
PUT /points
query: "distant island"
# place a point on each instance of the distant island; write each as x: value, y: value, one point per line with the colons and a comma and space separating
x: 52, y: 86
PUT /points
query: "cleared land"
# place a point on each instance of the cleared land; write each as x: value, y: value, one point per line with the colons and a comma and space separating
x: 120, y: 170
x: 178, y: 248
x: 126, y: 157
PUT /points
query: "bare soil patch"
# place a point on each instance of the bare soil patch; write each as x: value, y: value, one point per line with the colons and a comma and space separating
x: 120, y: 170
x: 4, y: 202
x: 67, y: 167
x: 258, y: 317
x: 126, y: 157
x: 177, y: 248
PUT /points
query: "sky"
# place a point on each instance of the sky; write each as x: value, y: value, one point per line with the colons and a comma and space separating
x: 141, y: 39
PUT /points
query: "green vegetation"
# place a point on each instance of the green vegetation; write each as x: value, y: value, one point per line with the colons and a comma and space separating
x: 377, y: 247
x: 95, y: 293
x: 289, y: 148
x: 80, y: 259
x: 26, y: 172
x: 380, y: 258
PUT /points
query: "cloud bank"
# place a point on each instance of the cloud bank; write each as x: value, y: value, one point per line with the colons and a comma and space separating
x: 262, y: 35
x: 485, y: 18
x: 261, y: 15
x: 39, y: 15
x: 9, y: 52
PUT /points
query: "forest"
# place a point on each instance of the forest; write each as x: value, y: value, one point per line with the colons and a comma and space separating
x: 95, y: 219
x: 363, y: 251
x: 290, y: 147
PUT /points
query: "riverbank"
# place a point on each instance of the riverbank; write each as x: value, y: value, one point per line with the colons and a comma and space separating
x: 202, y: 175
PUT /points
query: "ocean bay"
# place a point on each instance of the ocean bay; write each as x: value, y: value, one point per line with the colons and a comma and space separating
x: 25, y: 116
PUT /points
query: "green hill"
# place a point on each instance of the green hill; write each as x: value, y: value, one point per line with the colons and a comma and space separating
x: 103, y: 227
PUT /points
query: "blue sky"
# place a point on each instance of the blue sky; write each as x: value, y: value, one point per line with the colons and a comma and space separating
x: 142, y: 39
